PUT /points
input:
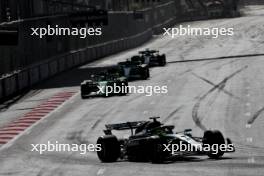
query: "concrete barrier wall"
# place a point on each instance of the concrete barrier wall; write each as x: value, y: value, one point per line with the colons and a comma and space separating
x: 23, y: 79
x: 10, y: 85
x: 1, y: 90
x: 122, y: 33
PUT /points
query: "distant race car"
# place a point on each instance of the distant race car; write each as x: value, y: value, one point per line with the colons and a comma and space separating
x: 152, y: 141
x: 97, y: 85
x: 133, y: 70
x: 150, y: 57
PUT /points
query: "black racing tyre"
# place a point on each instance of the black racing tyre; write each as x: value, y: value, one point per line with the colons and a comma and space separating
x: 148, y: 75
x: 83, y: 96
x: 124, y: 85
x: 214, y: 138
x: 157, y: 154
x: 110, y: 148
x: 145, y: 73
x: 162, y: 60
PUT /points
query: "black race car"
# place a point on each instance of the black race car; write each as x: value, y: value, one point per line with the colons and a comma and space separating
x: 133, y: 70
x: 155, y: 142
x: 150, y: 57
x: 100, y: 84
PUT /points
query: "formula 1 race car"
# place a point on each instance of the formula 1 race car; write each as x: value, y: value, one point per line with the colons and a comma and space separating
x: 155, y: 142
x: 133, y: 70
x: 100, y: 84
x: 150, y: 57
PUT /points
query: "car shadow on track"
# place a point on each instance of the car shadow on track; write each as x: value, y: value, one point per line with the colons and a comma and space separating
x: 185, y: 159
x: 74, y: 77
x: 71, y: 78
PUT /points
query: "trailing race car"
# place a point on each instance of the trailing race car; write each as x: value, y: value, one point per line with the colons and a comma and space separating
x: 155, y: 142
x: 150, y: 57
x: 104, y: 84
x: 133, y: 70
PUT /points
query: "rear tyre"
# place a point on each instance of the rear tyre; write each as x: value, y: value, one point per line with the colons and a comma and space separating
x: 145, y: 74
x: 110, y: 148
x: 124, y: 87
x: 214, y: 138
x: 157, y: 154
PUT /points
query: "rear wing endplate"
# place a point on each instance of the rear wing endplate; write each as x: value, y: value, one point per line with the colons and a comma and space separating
x: 124, y: 126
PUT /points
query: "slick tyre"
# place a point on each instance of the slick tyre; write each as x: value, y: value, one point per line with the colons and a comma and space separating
x: 110, y: 148
x: 157, y: 154
x: 215, y: 138
x: 145, y: 74
x: 124, y: 86
x: 162, y: 60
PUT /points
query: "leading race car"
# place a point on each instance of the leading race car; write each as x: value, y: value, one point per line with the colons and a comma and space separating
x: 155, y: 142
x: 150, y: 57
x: 104, y: 84
x: 133, y: 70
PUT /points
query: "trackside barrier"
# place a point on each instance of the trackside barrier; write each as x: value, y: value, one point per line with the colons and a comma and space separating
x: 82, y: 56
x: 92, y: 54
x: 76, y: 58
x: 44, y: 71
x: 62, y: 64
x: 53, y: 67
x: 88, y: 55
x: 1, y: 89
x: 23, y: 80
x: 34, y: 74
x: 69, y: 61
x: 10, y: 85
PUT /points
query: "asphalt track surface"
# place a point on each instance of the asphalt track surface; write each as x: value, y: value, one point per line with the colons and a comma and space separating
x: 212, y: 83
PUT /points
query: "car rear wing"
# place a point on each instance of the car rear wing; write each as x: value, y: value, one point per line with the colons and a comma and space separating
x: 148, y: 51
x: 124, y: 126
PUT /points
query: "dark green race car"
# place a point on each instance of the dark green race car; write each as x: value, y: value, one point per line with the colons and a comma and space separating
x: 104, y: 85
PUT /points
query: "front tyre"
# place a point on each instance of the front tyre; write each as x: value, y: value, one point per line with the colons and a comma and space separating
x: 212, y: 139
x: 110, y: 148
x: 162, y: 61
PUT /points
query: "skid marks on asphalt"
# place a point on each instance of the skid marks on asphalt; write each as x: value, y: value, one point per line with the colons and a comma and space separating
x: 77, y: 137
x: 255, y: 116
x: 197, y: 105
x: 220, y: 87
x: 172, y: 114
